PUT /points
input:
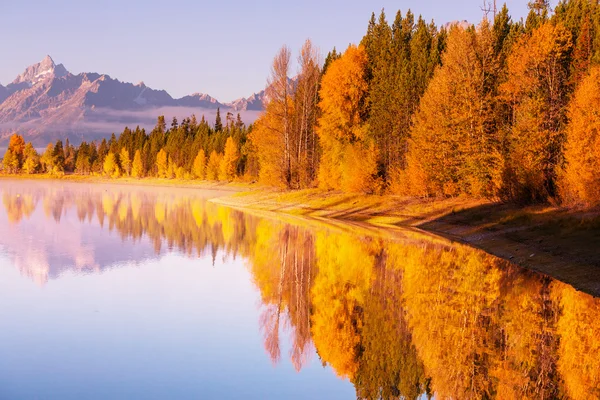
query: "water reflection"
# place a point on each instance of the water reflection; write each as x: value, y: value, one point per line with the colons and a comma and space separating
x: 398, y: 317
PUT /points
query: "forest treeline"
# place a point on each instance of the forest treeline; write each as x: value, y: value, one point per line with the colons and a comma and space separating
x: 186, y: 150
x: 504, y: 109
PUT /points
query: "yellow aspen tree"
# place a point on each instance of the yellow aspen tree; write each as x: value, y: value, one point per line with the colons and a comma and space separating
x: 272, y: 137
x: 162, y: 163
x: 137, y: 168
x: 110, y: 164
x: 228, y: 167
x: 268, y: 144
x: 31, y: 159
x: 125, y: 161
x: 199, y: 167
x: 214, y: 163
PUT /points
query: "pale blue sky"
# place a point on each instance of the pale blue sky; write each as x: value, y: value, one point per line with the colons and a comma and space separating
x: 221, y: 48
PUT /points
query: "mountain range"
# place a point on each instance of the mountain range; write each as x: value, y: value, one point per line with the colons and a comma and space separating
x: 47, y: 102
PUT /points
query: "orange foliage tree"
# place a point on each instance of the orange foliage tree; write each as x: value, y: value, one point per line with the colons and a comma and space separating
x: 536, y: 89
x: 451, y: 150
x: 580, y: 182
x: 342, y: 129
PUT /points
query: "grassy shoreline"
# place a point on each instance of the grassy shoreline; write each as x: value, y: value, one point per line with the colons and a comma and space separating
x: 155, y: 182
x: 559, y: 242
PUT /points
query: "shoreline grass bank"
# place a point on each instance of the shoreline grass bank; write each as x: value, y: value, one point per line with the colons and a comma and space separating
x: 559, y: 242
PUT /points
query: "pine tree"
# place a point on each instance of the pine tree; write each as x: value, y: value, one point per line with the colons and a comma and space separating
x: 218, y: 122
x: 58, y: 158
x: 582, y: 52
x: 83, y: 164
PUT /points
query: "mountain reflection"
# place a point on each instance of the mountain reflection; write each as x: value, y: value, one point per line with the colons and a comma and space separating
x: 398, y: 317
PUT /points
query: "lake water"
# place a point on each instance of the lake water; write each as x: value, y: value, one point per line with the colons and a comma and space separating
x: 114, y: 292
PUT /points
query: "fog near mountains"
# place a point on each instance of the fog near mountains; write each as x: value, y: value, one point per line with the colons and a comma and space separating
x: 102, y: 122
x: 46, y: 102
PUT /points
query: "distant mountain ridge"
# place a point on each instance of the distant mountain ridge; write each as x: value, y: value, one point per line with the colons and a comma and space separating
x: 47, y: 102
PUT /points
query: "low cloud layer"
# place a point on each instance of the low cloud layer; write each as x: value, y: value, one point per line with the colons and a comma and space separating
x: 101, y: 122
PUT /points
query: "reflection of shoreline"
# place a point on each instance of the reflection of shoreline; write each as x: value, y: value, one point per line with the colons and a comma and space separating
x: 398, y: 318
x: 81, y: 227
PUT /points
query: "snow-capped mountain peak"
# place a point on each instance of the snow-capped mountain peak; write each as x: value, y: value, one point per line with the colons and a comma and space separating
x: 41, y: 71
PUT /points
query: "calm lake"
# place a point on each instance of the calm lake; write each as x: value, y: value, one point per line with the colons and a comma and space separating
x: 116, y: 292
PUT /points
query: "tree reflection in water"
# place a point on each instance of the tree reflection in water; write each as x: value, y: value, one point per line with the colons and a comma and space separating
x: 398, y: 317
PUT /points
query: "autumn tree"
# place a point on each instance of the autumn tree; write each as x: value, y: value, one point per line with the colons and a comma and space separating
x: 536, y: 91
x: 10, y: 162
x: 304, y: 152
x: 228, y: 164
x: 452, y: 149
x: 341, y: 125
x: 272, y: 134
x: 47, y: 159
x: 162, y: 163
x: 16, y: 145
x: 199, y: 168
x: 125, y: 161
x: 214, y: 164
x: 111, y: 166
x: 31, y: 159
x: 581, y: 178
x: 137, y: 168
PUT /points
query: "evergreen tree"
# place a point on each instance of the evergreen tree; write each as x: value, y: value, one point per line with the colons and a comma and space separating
x: 83, y: 164
x: 58, y: 158
x: 218, y: 122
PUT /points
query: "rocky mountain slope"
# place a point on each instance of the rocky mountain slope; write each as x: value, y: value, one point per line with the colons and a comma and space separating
x: 47, y: 102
